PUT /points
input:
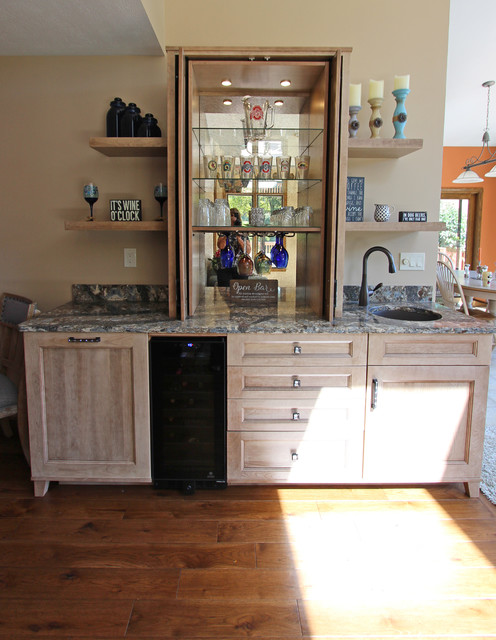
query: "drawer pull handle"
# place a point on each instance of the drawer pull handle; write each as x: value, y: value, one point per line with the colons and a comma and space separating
x: 294, y: 456
x: 83, y: 339
x: 296, y: 383
x: 375, y: 389
x: 296, y: 415
x: 297, y: 350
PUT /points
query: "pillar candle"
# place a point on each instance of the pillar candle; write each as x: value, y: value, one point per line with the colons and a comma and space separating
x: 401, y: 82
x: 376, y: 89
x: 355, y: 95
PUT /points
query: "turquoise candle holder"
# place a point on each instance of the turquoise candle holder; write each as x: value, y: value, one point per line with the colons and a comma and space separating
x: 399, y: 115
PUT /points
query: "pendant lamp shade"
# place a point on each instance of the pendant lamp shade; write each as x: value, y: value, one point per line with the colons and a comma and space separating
x: 467, y: 177
x: 492, y: 173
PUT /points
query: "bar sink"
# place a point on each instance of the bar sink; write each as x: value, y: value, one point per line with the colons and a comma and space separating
x: 412, y: 314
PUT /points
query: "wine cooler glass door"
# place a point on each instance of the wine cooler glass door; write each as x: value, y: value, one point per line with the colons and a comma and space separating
x: 188, y: 408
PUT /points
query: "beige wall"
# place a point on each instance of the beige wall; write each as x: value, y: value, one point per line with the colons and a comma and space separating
x: 388, y: 38
x: 51, y: 106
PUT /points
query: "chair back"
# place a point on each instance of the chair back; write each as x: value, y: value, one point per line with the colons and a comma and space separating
x: 13, y: 310
x: 448, y: 285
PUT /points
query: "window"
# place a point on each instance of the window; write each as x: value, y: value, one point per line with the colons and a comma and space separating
x: 268, y: 201
x: 461, y: 210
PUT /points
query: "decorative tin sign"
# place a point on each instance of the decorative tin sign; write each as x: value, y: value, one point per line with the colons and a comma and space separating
x: 412, y: 216
x: 254, y: 292
x: 125, y: 210
x: 355, y: 192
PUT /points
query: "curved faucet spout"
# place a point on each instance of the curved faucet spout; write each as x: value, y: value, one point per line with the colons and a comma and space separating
x: 363, y: 298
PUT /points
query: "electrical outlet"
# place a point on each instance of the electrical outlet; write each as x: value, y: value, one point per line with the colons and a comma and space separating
x: 129, y: 257
x: 412, y: 261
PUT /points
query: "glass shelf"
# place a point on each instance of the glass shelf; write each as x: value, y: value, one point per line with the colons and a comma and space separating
x: 303, y: 184
x: 256, y: 230
x: 216, y: 141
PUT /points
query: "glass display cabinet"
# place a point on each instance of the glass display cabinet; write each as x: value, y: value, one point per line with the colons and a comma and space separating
x: 260, y: 133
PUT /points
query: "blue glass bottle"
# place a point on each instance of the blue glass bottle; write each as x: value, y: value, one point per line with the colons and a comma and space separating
x: 226, y: 255
x: 278, y: 253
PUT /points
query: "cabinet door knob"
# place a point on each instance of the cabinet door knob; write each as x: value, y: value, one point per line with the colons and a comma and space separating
x: 297, y: 350
x: 294, y: 456
x: 296, y: 382
x: 71, y: 339
x: 296, y: 415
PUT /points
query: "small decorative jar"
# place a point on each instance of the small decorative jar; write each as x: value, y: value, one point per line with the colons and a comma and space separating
x: 148, y: 127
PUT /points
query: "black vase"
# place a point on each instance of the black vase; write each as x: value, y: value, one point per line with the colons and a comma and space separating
x: 114, y: 117
x: 148, y: 127
x: 131, y: 121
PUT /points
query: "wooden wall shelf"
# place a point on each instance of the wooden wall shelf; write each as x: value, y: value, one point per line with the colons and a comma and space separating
x: 130, y: 147
x: 108, y: 225
x: 382, y: 148
x: 407, y: 227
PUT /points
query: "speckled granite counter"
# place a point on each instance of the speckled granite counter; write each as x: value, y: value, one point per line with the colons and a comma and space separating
x: 218, y: 315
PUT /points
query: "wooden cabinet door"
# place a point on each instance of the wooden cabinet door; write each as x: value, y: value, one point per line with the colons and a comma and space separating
x: 88, y: 406
x: 424, y: 423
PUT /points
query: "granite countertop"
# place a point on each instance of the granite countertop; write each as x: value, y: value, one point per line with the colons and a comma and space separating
x: 217, y: 315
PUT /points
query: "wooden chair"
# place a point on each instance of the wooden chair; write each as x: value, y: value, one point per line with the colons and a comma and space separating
x: 13, y: 310
x: 448, y: 285
x: 452, y: 293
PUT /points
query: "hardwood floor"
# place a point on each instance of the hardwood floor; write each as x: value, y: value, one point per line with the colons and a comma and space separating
x: 260, y: 562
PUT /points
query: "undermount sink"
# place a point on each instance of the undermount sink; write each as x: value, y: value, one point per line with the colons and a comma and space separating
x: 415, y: 314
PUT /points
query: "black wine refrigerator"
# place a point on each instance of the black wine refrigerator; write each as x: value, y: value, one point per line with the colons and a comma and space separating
x: 188, y: 412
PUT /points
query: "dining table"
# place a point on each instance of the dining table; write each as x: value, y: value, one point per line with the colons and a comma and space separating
x: 474, y: 288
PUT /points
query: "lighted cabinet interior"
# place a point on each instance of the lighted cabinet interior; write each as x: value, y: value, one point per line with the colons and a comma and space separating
x: 307, y: 124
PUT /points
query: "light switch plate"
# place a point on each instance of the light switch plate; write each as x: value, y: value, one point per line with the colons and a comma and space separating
x: 129, y: 257
x: 412, y: 261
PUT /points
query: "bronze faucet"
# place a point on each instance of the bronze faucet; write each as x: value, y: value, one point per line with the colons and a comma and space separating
x: 363, y: 298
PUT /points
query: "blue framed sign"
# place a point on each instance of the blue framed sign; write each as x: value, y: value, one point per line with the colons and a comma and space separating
x: 355, y: 191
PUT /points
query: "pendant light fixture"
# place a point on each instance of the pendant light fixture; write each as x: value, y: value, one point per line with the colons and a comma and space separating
x: 468, y: 175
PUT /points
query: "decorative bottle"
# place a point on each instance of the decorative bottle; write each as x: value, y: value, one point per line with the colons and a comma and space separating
x: 131, y: 121
x: 278, y: 253
x: 148, y: 127
x: 114, y: 117
x: 226, y: 255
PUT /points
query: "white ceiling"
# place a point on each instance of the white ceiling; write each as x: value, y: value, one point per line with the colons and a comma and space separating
x: 471, y: 61
x: 121, y: 27
x: 76, y: 28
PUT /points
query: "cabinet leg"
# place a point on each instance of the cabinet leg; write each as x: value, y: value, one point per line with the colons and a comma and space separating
x: 472, y: 489
x: 40, y: 488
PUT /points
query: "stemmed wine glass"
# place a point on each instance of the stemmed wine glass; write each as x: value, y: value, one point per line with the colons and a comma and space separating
x: 90, y: 193
x: 160, y: 193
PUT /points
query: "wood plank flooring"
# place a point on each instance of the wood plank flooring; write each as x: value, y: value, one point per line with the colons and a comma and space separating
x: 262, y: 563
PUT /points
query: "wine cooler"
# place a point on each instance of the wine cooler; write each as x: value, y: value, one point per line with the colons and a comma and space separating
x: 188, y: 412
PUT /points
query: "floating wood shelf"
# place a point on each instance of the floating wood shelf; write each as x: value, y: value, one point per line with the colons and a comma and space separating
x: 395, y: 226
x: 130, y: 147
x: 382, y: 148
x: 108, y: 225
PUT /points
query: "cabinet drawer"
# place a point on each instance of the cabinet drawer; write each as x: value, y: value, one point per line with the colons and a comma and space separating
x: 281, y: 350
x: 452, y: 349
x: 315, y: 416
x: 293, y: 458
x: 294, y: 382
